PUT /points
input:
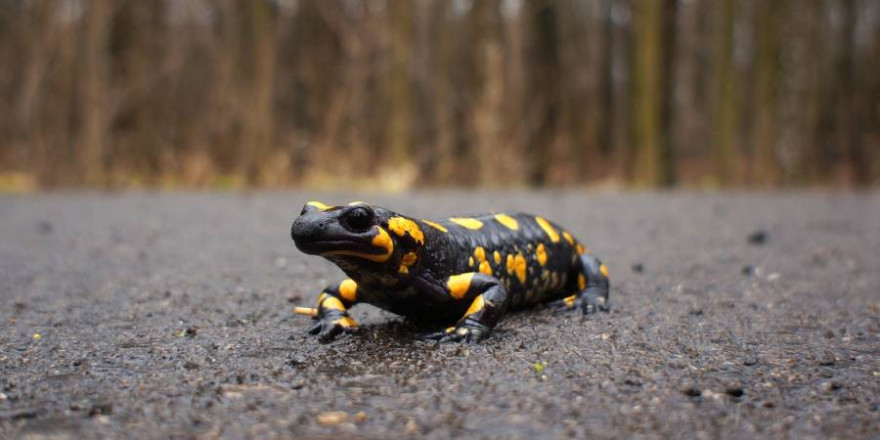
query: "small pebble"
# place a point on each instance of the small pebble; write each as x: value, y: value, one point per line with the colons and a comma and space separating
x: 411, y: 427
x: 758, y: 238
x: 360, y: 417
x: 735, y: 392
x: 330, y: 418
x: 45, y: 227
x: 638, y: 268
x: 709, y: 394
x: 692, y: 392
x: 831, y: 385
x: 827, y: 361
x: 101, y: 409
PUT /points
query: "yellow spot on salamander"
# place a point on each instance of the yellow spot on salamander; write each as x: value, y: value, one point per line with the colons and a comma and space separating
x: 569, y: 300
x: 508, y: 221
x: 333, y: 303
x: 476, y: 306
x: 305, y: 311
x: 408, y: 260
x: 470, y: 223
x: 319, y: 205
x: 520, y: 267
x: 348, y: 290
x: 604, y: 269
x: 580, y: 249
x: 381, y: 240
x: 402, y: 225
x: 568, y: 237
x: 346, y: 322
x: 548, y: 228
x: 459, y: 284
x: 541, y: 254
x: 582, y: 282
x: 485, y: 268
x: 470, y: 261
x: 511, y: 264
x: 480, y: 254
x: 357, y: 203
x: 497, y: 256
x: 435, y: 225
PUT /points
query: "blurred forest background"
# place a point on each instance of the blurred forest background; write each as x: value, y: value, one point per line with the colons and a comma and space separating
x: 394, y: 93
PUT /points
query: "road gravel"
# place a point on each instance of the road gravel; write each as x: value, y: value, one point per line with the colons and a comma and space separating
x: 151, y: 315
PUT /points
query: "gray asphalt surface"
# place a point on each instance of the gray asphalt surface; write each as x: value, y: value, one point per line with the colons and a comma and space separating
x: 169, y: 316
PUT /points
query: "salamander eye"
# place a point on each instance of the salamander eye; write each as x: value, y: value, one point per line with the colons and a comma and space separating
x: 359, y: 219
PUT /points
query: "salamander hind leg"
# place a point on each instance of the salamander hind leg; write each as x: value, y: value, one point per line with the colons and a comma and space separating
x: 487, y: 299
x: 331, y: 314
x: 591, y: 286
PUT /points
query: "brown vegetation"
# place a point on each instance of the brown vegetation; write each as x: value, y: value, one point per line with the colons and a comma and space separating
x: 121, y: 93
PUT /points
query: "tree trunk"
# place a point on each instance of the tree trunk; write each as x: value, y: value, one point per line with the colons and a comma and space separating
x: 93, y: 123
x: 852, y: 124
x: 646, y: 94
x: 724, y: 100
x: 443, y: 170
x: 606, y: 111
x: 669, y: 60
x: 400, y: 83
x: 542, y: 95
x: 258, y: 123
x: 764, y: 168
x: 486, y: 118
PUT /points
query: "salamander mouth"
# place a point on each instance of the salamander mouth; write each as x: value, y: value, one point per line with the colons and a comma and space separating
x: 320, y: 247
x: 331, y: 239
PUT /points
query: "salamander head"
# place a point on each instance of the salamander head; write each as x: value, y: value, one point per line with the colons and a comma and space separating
x: 352, y: 230
x: 358, y: 235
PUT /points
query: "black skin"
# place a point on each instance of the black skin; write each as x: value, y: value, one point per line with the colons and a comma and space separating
x: 347, y: 236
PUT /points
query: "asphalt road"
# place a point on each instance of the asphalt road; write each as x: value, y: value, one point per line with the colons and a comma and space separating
x: 169, y: 316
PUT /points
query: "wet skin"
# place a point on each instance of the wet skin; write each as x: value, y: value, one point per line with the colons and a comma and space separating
x: 464, y: 270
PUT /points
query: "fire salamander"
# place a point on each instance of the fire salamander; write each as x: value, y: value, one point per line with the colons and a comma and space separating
x: 468, y: 270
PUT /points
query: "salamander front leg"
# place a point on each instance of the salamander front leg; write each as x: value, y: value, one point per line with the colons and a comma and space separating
x: 488, y: 301
x: 331, y: 314
x: 592, y: 286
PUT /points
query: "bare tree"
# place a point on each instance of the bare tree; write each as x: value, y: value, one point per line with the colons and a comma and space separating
x: 92, y: 100
x: 764, y: 169
x: 646, y: 93
x: 724, y: 98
